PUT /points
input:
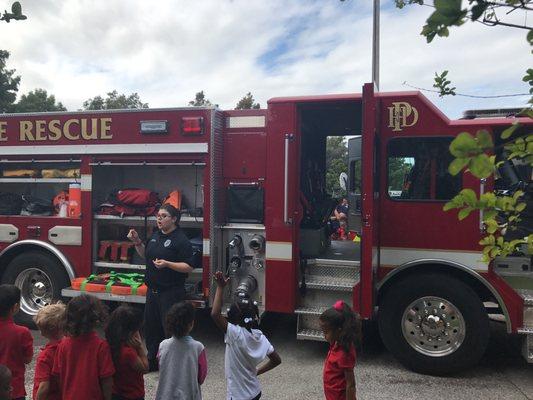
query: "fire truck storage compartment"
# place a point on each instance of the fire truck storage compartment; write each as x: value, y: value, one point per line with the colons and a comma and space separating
x: 37, y: 183
x: 318, y: 121
x: 162, y: 179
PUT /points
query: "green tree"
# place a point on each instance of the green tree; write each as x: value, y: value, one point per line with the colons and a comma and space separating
x: 15, y: 14
x: 200, y: 100
x: 114, y: 101
x: 37, y: 101
x: 247, y: 103
x: 9, y: 83
x: 336, y: 162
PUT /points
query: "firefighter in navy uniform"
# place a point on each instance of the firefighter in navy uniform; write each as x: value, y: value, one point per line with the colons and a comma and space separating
x: 169, y: 258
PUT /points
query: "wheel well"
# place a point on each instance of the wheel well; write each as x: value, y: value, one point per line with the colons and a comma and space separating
x: 13, y: 252
x: 470, y: 279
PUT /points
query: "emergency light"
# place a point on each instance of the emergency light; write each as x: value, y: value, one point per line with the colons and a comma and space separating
x: 192, y: 126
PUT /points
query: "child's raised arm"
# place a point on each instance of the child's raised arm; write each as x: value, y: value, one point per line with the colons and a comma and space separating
x: 273, y: 361
x: 220, y: 321
x: 141, y: 364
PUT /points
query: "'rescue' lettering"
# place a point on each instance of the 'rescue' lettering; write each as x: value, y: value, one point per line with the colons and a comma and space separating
x: 72, y: 129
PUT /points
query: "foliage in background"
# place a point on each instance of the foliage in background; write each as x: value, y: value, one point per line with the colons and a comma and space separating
x: 336, y: 162
x: 200, y: 100
x: 9, y: 83
x: 247, y: 103
x: 37, y: 101
x: 114, y: 101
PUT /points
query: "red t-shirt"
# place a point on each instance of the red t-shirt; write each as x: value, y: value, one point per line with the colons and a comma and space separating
x: 16, y: 346
x: 80, y: 363
x: 43, y: 371
x: 127, y: 382
x: 337, y: 362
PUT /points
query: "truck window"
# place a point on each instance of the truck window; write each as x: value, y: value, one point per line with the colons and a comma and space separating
x: 417, y: 169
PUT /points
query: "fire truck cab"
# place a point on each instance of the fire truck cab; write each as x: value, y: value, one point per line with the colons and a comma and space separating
x: 252, y: 184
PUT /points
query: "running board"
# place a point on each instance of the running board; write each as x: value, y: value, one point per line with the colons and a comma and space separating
x: 527, y: 345
x: 333, y: 263
x: 310, y: 334
x: 69, y: 292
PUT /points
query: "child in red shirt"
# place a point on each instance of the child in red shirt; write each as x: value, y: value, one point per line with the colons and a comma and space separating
x: 128, y: 352
x: 342, y: 329
x: 83, y: 360
x: 16, y: 342
x: 50, y: 321
x: 5, y: 383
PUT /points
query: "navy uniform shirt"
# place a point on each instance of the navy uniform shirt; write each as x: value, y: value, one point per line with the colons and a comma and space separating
x: 173, y: 247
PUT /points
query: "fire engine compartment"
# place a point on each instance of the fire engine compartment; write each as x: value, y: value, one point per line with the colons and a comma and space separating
x: 317, y: 122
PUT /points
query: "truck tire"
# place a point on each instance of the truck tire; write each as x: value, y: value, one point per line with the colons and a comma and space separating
x: 40, y: 278
x: 434, y: 324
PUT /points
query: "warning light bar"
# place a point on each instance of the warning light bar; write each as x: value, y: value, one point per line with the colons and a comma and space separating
x: 192, y: 126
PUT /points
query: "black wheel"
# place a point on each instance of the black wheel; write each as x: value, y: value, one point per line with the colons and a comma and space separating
x: 40, y: 278
x: 434, y: 324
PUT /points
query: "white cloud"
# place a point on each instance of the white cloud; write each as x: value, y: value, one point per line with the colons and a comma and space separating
x: 169, y: 50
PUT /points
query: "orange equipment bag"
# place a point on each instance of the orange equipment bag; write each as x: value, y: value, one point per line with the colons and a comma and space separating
x: 20, y: 173
x: 174, y: 199
x: 112, y: 282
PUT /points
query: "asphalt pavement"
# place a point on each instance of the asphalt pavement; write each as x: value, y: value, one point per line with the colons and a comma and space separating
x: 501, y: 375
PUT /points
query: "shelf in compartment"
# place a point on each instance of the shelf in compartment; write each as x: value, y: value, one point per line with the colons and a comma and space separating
x: 186, y: 221
x: 39, y: 180
x: 141, y: 267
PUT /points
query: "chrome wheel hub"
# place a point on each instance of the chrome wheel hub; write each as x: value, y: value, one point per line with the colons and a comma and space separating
x: 36, y: 290
x: 433, y: 326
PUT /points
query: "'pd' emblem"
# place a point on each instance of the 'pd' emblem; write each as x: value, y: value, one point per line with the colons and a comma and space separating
x: 402, y: 115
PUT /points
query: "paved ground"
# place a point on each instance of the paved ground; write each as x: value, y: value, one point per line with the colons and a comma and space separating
x: 501, y: 375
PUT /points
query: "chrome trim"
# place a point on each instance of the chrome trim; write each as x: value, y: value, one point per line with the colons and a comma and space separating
x: 288, y: 138
x: 66, y: 264
x: 481, y: 213
x: 461, y: 267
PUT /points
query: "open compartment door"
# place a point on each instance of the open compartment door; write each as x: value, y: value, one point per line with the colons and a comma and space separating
x: 369, y: 201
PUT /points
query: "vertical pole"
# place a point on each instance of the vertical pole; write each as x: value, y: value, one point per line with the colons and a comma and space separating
x: 375, y: 46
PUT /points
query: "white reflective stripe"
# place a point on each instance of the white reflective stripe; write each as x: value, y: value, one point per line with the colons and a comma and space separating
x: 205, y: 248
x: 398, y: 256
x: 255, y: 121
x: 279, y: 251
x: 106, y: 149
x: 86, y: 182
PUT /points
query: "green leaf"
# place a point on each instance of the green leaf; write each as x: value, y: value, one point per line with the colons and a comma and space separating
x: 481, y: 166
x: 464, y: 145
x: 506, y: 134
x: 449, y: 206
x: 469, y: 196
x: 457, y: 165
x: 520, y: 207
x: 484, y: 139
x: 478, y: 10
x: 465, y: 212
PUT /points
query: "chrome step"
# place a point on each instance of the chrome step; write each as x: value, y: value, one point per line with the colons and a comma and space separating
x: 525, y: 331
x: 333, y: 263
x: 310, y: 310
x: 527, y: 345
x: 310, y: 334
x: 327, y: 283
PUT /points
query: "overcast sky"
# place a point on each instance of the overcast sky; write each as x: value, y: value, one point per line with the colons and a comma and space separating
x: 168, y: 50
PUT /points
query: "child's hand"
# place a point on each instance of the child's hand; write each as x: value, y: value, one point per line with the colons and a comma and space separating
x: 220, y: 279
x: 135, y: 341
x: 160, y: 263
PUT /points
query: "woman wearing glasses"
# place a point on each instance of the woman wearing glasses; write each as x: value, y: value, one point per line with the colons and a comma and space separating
x: 169, y: 258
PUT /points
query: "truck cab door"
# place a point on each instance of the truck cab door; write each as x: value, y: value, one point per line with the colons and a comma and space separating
x: 369, y: 200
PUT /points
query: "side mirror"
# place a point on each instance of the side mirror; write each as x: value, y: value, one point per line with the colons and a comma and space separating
x: 343, y: 180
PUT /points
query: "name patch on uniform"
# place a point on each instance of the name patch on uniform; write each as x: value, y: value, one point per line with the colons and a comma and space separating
x: 167, y: 243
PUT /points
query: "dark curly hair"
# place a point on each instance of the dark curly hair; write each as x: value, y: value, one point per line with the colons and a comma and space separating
x: 9, y: 296
x: 84, y: 313
x: 244, y: 312
x: 347, y: 323
x: 123, y: 322
x: 179, y: 318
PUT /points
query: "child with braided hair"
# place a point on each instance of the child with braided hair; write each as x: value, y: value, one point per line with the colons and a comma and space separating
x: 342, y: 329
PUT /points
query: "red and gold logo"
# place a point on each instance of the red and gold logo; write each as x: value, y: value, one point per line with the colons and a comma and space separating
x: 402, y: 115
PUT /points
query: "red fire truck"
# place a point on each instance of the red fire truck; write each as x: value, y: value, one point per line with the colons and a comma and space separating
x: 252, y: 184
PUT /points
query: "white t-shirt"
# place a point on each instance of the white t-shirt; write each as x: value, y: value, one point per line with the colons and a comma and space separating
x: 244, y: 351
